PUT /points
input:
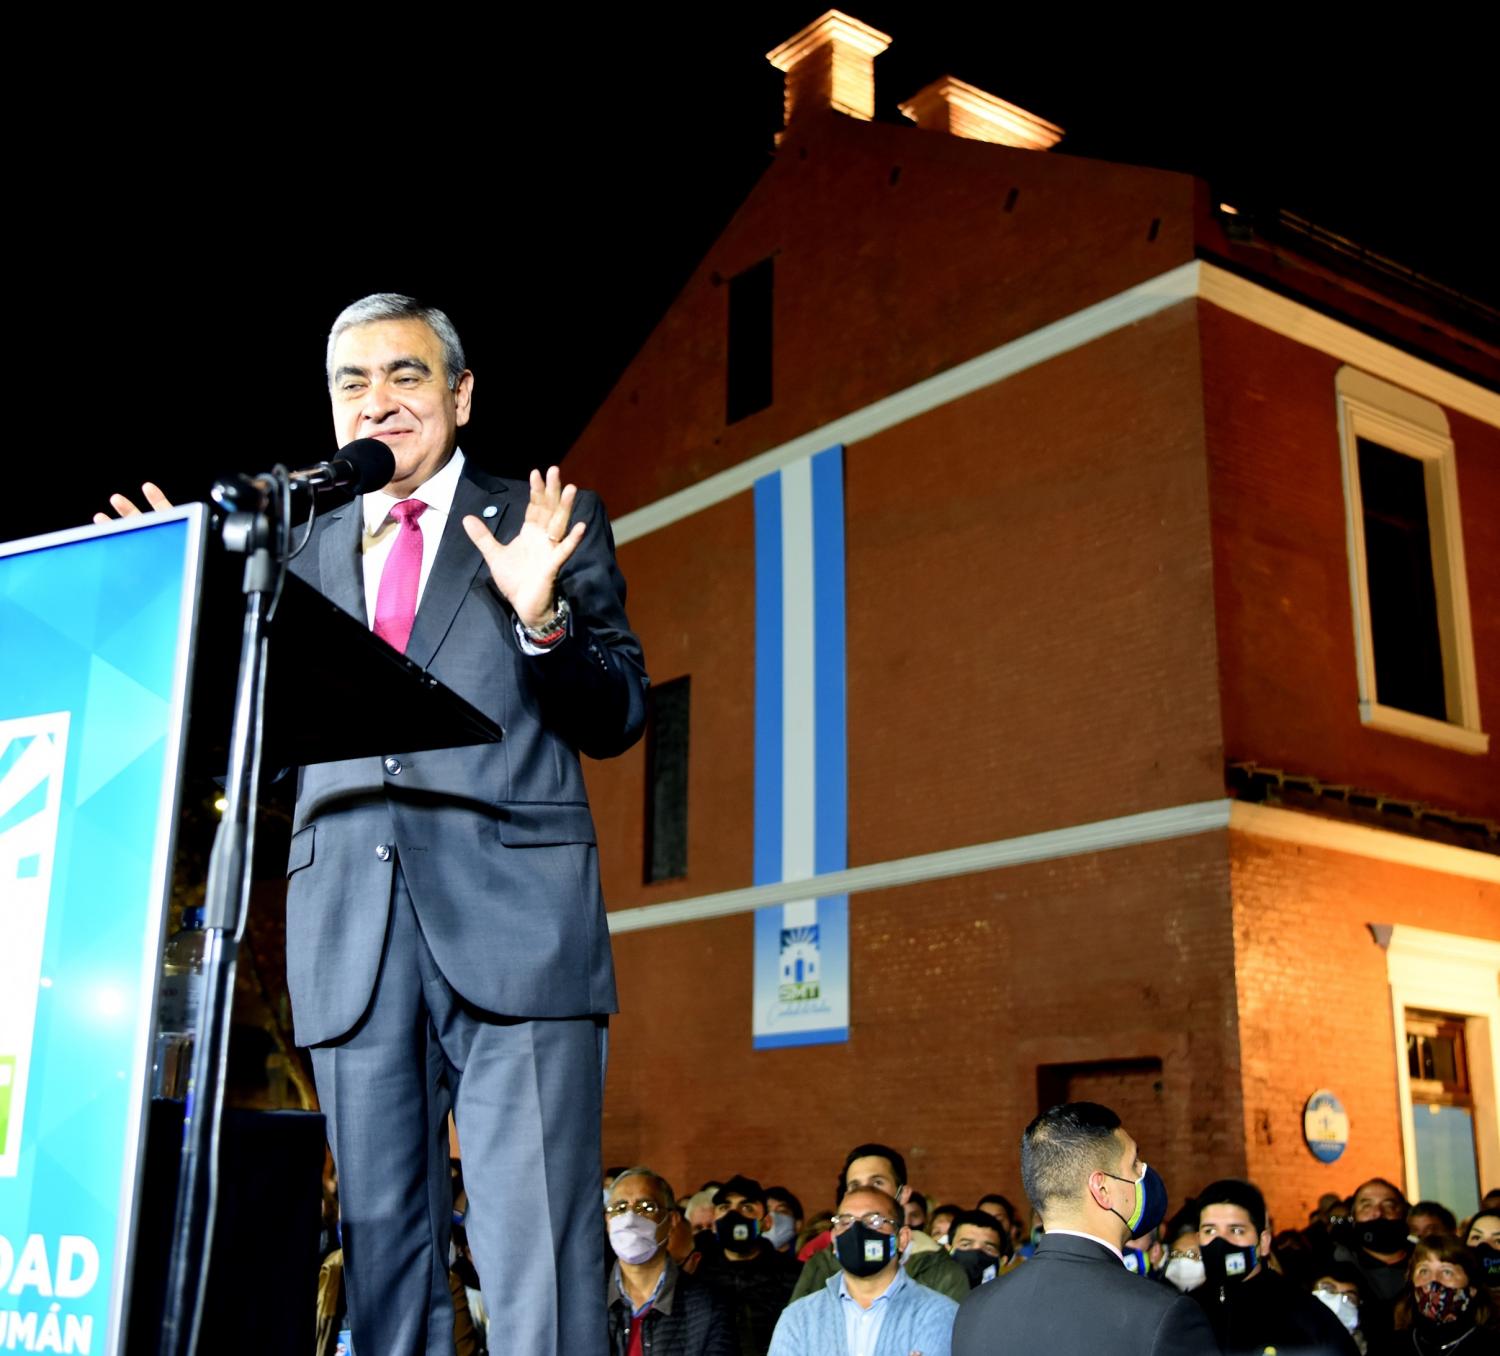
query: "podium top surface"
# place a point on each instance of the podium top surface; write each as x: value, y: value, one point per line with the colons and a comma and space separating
x: 331, y: 684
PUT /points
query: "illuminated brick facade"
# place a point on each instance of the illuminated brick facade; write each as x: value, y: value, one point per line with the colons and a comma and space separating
x: 1078, y: 591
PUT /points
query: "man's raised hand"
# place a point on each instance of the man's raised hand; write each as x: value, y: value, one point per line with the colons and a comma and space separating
x: 125, y: 509
x: 525, y: 568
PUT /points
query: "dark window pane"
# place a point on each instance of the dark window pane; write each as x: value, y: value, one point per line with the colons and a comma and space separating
x: 667, y: 780
x: 1444, y: 1061
x: 1398, y: 570
x: 750, y: 306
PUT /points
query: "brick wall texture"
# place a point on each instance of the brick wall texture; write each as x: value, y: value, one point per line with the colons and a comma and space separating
x: 1073, y: 595
x: 1315, y: 1005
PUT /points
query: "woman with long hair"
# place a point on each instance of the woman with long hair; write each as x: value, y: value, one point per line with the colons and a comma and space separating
x: 1445, y: 1309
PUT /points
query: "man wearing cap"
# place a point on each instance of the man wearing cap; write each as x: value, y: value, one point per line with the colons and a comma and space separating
x: 1250, y: 1307
x: 742, y: 1267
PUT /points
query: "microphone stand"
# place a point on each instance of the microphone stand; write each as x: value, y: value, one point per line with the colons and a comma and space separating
x: 258, y: 533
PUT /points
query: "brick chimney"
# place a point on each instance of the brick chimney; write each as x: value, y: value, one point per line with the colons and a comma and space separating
x: 830, y: 64
x: 963, y: 110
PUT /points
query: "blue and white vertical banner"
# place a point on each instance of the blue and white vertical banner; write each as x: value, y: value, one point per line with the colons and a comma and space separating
x: 801, y: 991
x: 95, y: 643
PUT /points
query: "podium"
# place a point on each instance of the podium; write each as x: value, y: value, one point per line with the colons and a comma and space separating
x: 101, y: 631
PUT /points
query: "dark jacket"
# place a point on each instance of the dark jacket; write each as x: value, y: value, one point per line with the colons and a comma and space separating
x: 1075, y: 1298
x: 1380, y: 1286
x: 686, y: 1320
x: 754, y: 1291
x: 1267, y: 1310
x: 496, y: 841
x: 1422, y: 1340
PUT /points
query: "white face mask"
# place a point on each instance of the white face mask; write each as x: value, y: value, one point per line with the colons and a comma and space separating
x: 633, y: 1238
x: 783, y: 1229
x: 1343, y: 1306
x: 1186, y: 1273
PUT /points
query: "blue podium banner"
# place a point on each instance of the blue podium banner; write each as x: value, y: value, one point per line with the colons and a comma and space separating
x: 95, y: 645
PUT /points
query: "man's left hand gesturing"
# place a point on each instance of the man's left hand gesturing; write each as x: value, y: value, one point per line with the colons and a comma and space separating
x: 525, y: 568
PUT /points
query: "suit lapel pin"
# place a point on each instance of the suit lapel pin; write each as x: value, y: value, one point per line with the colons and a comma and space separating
x: 490, y: 510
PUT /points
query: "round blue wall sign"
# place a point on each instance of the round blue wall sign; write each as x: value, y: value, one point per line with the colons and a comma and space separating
x: 1325, y: 1125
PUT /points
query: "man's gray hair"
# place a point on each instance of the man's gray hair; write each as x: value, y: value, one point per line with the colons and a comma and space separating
x: 395, y: 306
x: 663, y: 1187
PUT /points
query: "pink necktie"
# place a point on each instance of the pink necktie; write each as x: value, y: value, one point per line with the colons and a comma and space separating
x: 396, y: 603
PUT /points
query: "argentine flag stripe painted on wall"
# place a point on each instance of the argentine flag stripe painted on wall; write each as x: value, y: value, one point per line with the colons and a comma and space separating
x: 801, y: 993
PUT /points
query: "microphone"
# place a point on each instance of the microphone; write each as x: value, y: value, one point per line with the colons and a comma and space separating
x: 365, y: 464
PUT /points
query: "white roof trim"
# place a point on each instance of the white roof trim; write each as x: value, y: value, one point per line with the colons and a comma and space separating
x: 1208, y: 283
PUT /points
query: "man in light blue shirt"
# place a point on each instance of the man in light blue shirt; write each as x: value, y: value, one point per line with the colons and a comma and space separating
x: 870, y: 1307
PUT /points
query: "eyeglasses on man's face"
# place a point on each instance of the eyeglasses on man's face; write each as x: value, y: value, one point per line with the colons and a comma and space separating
x: 646, y: 1209
x: 874, y: 1220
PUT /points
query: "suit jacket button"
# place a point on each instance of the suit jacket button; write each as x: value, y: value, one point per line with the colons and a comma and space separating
x: 393, y: 765
x: 383, y: 851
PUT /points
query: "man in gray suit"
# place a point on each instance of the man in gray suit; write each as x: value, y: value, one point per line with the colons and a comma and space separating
x: 446, y: 940
x: 1074, y: 1297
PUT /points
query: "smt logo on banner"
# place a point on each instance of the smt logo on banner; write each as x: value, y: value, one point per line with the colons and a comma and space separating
x: 801, y: 994
x: 33, y: 752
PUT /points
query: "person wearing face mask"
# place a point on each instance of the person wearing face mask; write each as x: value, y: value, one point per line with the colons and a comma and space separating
x: 940, y: 1224
x: 981, y: 1246
x: 783, y: 1218
x: 1184, y: 1266
x: 927, y: 1263
x: 742, y: 1267
x: 1374, y: 1239
x: 1483, y: 1236
x: 1147, y: 1255
x: 870, y: 1306
x: 1252, y: 1308
x: 1443, y: 1310
x: 654, y: 1309
x: 1084, y: 1173
x: 1337, y: 1288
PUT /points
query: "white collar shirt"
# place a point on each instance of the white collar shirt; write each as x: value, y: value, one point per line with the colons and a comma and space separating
x: 862, y: 1326
x: 1092, y: 1238
x: 380, y: 528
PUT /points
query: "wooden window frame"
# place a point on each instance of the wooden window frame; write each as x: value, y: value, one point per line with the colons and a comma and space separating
x: 1413, y: 427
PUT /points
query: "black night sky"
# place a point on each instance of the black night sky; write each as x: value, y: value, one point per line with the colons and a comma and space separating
x: 185, y: 231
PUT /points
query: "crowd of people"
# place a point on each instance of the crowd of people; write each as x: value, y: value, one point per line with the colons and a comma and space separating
x: 738, y: 1268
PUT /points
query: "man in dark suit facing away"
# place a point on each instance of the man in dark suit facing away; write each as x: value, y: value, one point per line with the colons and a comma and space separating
x: 1084, y: 1175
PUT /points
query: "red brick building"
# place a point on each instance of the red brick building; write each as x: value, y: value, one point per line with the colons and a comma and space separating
x: 1172, y: 617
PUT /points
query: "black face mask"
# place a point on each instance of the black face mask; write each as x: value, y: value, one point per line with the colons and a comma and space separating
x: 862, y: 1251
x: 976, y: 1263
x: 736, y: 1233
x: 1222, y: 1261
x: 1489, y: 1254
x: 1382, y: 1235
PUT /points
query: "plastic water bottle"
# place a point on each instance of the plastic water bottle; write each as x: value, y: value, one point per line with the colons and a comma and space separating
x: 177, y: 1012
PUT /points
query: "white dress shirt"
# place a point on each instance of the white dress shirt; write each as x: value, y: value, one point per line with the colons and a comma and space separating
x: 380, y: 535
x: 381, y: 529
